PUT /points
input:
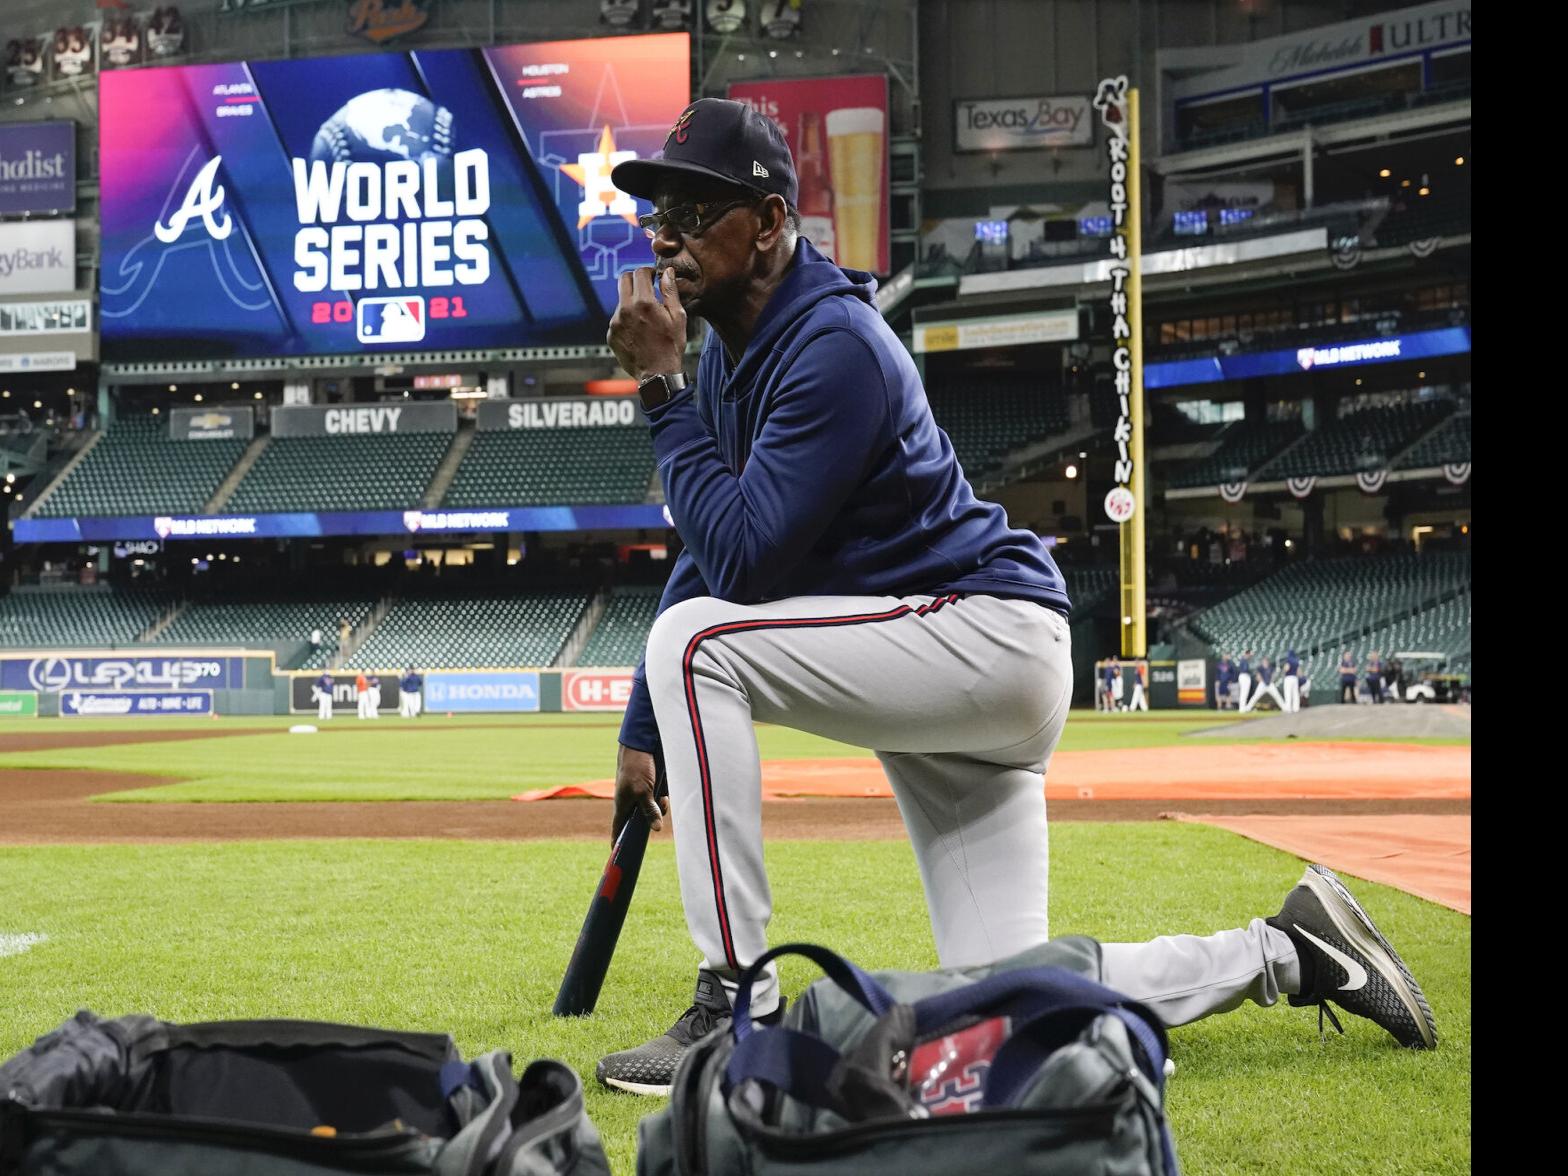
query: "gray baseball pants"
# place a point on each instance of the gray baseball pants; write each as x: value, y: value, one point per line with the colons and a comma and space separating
x: 963, y: 699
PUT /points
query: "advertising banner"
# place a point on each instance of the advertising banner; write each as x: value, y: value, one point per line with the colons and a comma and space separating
x: 587, y: 412
x: 997, y: 331
x: 1013, y: 124
x: 37, y: 168
x: 302, y: 698
x: 1192, y: 682
x: 55, y: 673
x: 18, y: 704
x: 388, y: 202
x: 37, y: 257
x: 312, y: 420
x: 304, y: 525
x: 99, y: 703
x: 1392, y: 349
x: 474, y: 691
x: 596, y: 690
x: 837, y: 130
x: 212, y: 424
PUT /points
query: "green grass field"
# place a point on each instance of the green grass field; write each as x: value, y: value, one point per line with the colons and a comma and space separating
x: 470, y: 937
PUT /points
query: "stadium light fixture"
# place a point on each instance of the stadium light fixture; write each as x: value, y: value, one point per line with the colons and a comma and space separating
x: 10, y: 477
x: 1289, y: 543
x: 198, y: 398
x: 773, y: 53
x: 235, y: 386
x: 1459, y: 161
x: 1420, y: 375
x: 174, y: 387
x: 19, y: 498
x: 1126, y: 620
x: 258, y: 395
x: 1404, y: 183
x: 1423, y: 191
x: 155, y: 410
x: 6, y: 393
x: 38, y: 404
x: 1071, y: 471
x: 1384, y: 174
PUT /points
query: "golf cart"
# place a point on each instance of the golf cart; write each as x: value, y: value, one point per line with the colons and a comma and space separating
x: 1423, y: 677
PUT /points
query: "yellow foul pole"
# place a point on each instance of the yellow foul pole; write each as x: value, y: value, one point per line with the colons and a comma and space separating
x: 1118, y: 106
x: 1134, y: 572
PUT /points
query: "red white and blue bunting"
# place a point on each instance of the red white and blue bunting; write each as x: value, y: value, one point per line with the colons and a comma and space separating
x: 1371, y: 481
x: 1457, y: 472
x: 1301, y: 487
x: 1232, y: 492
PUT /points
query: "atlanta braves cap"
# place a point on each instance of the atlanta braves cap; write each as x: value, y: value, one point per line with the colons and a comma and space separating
x: 718, y: 139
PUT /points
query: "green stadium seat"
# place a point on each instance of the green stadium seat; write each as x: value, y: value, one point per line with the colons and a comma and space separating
x: 135, y: 469
x: 528, y: 629
x: 622, y: 633
x: 387, y: 472
x: 554, y: 467
x: 42, y: 618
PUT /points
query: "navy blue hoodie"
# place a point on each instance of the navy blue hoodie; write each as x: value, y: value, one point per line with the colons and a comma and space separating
x: 813, y: 468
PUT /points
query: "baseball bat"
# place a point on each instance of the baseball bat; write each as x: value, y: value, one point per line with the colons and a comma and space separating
x: 591, y: 956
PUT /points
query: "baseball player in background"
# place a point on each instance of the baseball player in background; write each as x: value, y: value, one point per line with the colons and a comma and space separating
x: 1267, y: 686
x: 1140, y: 674
x: 1243, y: 679
x: 323, y: 693
x: 840, y: 577
x: 373, y: 707
x: 409, y: 700
x: 1292, y: 683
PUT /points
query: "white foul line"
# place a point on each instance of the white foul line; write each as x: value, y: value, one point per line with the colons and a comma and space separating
x: 11, y: 945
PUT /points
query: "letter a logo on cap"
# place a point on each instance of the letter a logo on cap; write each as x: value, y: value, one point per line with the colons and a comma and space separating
x: 682, y: 129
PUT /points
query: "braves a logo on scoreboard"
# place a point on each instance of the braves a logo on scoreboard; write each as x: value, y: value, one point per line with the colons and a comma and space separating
x: 204, y: 200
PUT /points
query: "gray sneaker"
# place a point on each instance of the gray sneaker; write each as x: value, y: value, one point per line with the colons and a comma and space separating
x: 1345, y: 959
x: 650, y: 1068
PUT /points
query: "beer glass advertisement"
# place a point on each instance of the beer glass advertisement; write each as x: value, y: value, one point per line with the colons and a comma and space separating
x: 837, y: 130
x: 382, y: 202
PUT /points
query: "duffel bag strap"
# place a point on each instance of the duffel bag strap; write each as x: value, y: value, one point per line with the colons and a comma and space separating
x: 871, y: 995
x: 1025, y: 1051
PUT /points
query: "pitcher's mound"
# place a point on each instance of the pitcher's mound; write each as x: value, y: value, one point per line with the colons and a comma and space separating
x: 1342, y: 721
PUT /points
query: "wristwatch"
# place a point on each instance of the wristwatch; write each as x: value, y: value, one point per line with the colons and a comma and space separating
x: 660, y: 389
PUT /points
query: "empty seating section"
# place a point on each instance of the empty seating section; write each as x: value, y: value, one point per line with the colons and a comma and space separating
x: 622, y: 632
x: 76, y: 616
x: 985, y: 422
x: 1314, y: 605
x: 136, y: 469
x: 1245, y: 446
x: 472, y: 632
x: 1449, y: 443
x: 1087, y: 587
x: 1367, y: 439
x: 341, y: 473
x: 554, y: 467
x: 1443, y: 628
x: 261, y: 623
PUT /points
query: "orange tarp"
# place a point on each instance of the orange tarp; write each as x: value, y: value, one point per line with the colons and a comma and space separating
x: 1428, y: 856
x: 1263, y: 771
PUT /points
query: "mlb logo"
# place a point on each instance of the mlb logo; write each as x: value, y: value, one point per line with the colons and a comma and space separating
x: 391, y: 320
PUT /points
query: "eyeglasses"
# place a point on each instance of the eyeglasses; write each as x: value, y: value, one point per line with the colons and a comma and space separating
x: 689, y: 220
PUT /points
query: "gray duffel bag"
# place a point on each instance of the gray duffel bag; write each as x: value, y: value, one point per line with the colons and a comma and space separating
x: 1027, y: 1066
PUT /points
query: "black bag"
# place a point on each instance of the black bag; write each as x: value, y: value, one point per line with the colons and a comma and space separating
x: 141, y: 1097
